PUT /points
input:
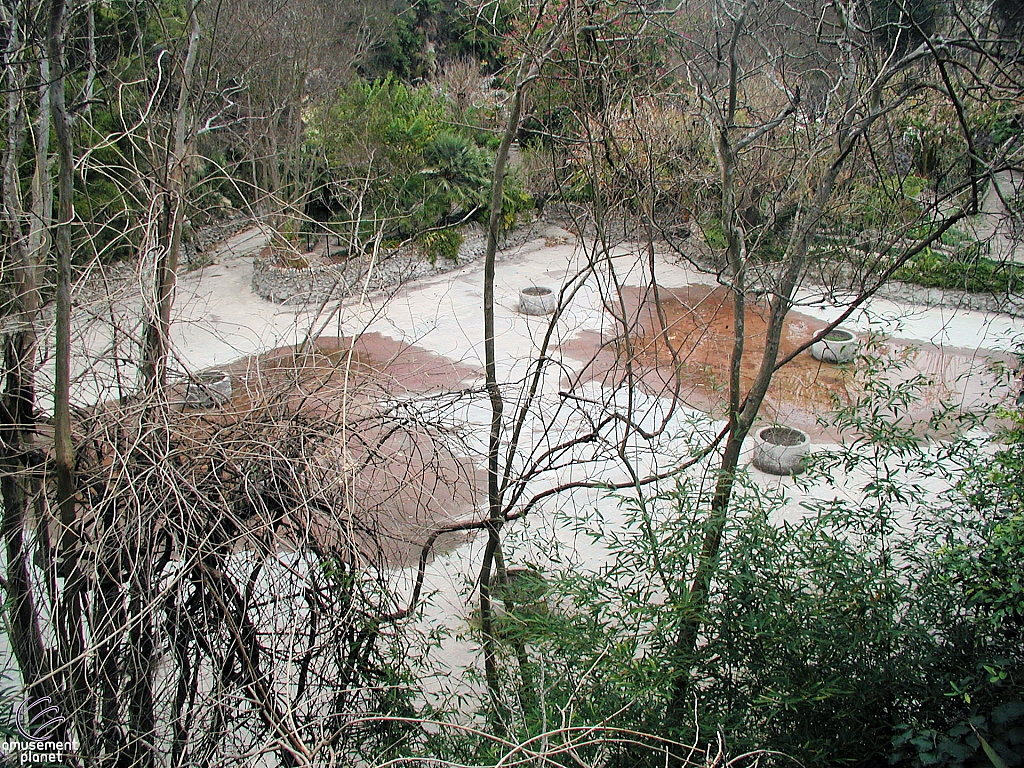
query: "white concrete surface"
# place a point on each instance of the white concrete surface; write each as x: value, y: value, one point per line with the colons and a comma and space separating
x: 217, y: 319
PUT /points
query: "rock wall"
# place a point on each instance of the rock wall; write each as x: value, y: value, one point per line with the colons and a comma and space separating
x: 204, y: 238
x: 323, y: 280
x: 1008, y: 304
x: 840, y: 283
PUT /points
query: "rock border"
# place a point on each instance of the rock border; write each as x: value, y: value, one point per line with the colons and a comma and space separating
x: 324, y: 280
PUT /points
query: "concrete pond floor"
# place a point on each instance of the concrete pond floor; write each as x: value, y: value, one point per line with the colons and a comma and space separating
x: 426, y: 339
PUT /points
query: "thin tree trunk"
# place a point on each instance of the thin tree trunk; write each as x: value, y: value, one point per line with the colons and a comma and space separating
x: 20, y: 473
x: 743, y: 412
x: 63, y: 447
x: 494, y: 496
x: 156, y: 344
x: 70, y: 619
x: 42, y: 181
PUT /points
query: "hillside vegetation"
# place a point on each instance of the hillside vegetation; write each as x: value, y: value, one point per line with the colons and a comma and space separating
x: 204, y: 584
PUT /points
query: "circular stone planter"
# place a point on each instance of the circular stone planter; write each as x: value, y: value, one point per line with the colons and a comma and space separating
x: 780, y: 450
x: 208, y: 389
x: 537, y: 300
x: 838, y: 346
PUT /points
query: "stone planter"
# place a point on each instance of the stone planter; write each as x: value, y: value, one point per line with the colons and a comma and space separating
x: 208, y: 389
x: 838, y: 346
x: 537, y: 300
x: 780, y: 450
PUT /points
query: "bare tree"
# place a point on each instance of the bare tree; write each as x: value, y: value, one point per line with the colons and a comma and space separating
x: 824, y: 146
x: 275, y: 62
x: 171, y: 200
x: 802, y: 113
x: 230, y: 596
x: 146, y: 633
x: 22, y: 314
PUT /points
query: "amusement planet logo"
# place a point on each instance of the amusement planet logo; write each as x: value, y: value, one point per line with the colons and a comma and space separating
x: 35, y: 720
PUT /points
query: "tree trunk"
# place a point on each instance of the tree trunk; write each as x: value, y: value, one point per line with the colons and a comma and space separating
x: 63, y: 447
x: 156, y: 343
x: 494, y: 496
x: 20, y: 459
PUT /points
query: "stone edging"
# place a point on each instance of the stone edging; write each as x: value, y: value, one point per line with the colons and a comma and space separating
x: 1007, y: 304
x: 839, y: 281
x: 325, y: 281
x: 207, y: 237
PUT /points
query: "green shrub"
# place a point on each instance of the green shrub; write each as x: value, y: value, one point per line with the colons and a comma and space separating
x: 954, y: 236
x: 768, y: 247
x: 400, y: 50
x: 951, y: 237
x: 481, y: 35
x: 382, y: 125
x: 969, y: 271
x: 892, y: 201
x: 883, y: 627
x: 104, y: 225
x: 440, y: 244
x: 714, y: 236
x: 993, y: 124
x: 514, y: 201
x: 454, y: 183
x: 1016, y: 211
x: 390, y: 152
